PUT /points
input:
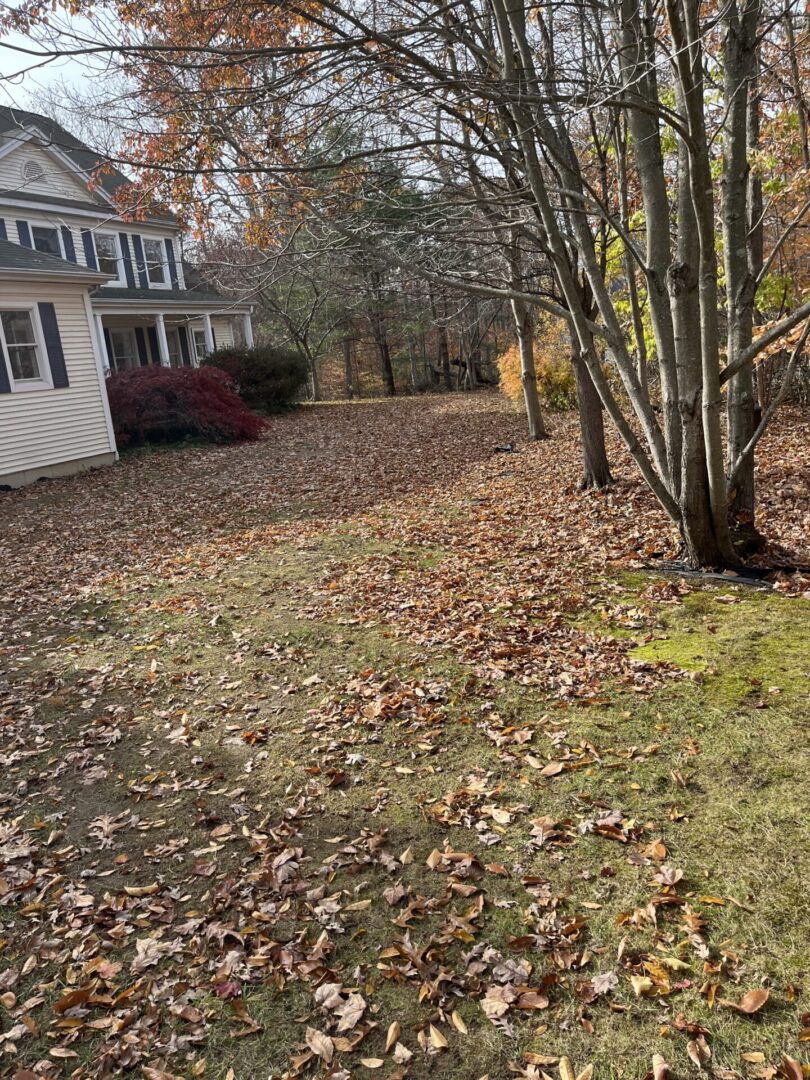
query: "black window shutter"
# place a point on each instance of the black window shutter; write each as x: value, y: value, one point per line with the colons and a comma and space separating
x: 130, y: 276
x: 184, y: 349
x: 140, y: 341
x: 24, y: 234
x: 3, y: 233
x: 140, y: 260
x: 109, y: 348
x: 172, y: 264
x: 53, y: 343
x: 67, y: 243
x: 151, y: 333
x: 89, y: 249
x: 214, y: 337
x: 5, y: 382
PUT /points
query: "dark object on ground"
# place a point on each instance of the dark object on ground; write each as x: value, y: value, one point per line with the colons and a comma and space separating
x: 756, y: 577
x: 509, y: 448
x: 267, y: 378
x: 161, y: 405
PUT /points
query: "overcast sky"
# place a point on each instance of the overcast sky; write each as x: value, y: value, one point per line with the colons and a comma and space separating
x: 23, y: 77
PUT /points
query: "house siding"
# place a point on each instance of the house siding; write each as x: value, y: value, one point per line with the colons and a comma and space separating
x: 57, y: 178
x: 43, y: 430
x: 223, y: 332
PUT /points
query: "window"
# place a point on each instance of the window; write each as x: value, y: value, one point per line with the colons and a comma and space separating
x: 124, y: 350
x: 173, y: 341
x: 47, y: 240
x: 155, y: 262
x: 200, y: 347
x: 22, y: 348
x: 108, y: 255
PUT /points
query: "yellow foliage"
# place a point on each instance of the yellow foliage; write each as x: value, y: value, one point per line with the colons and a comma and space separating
x: 555, y: 376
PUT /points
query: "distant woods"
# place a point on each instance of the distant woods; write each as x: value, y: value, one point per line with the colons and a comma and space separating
x: 363, y: 330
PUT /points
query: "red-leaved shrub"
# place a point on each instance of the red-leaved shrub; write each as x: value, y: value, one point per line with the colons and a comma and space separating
x: 159, y: 405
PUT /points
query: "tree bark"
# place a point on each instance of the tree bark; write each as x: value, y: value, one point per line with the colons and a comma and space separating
x: 739, y: 55
x: 595, y: 466
x: 348, y: 374
x: 528, y: 375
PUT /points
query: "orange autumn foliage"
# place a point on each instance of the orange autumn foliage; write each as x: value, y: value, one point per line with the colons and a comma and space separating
x: 555, y: 376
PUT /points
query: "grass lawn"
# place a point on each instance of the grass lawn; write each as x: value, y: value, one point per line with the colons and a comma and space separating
x: 366, y: 751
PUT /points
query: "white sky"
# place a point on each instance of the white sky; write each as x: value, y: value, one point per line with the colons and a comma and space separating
x: 23, y: 76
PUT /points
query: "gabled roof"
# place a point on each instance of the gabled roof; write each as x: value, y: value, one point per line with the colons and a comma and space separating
x: 14, y: 257
x: 14, y: 122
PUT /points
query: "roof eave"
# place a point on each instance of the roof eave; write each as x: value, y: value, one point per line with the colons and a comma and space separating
x: 91, y: 277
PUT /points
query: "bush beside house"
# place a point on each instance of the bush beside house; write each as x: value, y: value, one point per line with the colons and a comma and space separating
x: 267, y: 378
x: 161, y: 405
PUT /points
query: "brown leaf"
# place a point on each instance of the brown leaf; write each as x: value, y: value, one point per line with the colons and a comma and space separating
x: 320, y: 1044
x: 790, y: 1068
x: 660, y: 1069
x: 72, y: 999
x: 142, y: 890
x: 458, y: 1022
x: 566, y: 1069
x: 437, y: 1040
x: 749, y: 1003
x: 699, y: 1051
x: 391, y: 1038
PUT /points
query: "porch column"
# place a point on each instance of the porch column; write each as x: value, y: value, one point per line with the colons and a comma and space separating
x: 163, y: 344
x: 102, y: 344
x: 247, y: 330
x: 209, y: 333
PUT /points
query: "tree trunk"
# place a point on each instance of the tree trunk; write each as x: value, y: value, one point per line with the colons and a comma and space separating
x: 347, y: 368
x: 528, y: 375
x: 595, y: 466
x: 314, y: 377
x: 444, y: 357
x: 739, y: 55
x: 412, y: 365
x: 385, y: 364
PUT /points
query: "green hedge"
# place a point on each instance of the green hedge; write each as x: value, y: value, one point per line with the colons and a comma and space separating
x: 267, y: 378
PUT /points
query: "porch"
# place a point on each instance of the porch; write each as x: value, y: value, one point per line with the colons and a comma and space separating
x: 131, y: 339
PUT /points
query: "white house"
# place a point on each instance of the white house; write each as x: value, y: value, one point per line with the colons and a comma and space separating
x: 54, y: 417
x: 67, y: 248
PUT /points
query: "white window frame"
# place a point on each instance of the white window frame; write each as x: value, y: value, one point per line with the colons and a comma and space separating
x: 199, y: 353
x: 167, y: 278
x: 42, y: 223
x: 121, y: 279
x: 45, y: 380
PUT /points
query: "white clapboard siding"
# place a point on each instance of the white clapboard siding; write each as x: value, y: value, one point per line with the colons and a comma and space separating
x: 223, y: 332
x: 39, y: 428
x: 57, y: 178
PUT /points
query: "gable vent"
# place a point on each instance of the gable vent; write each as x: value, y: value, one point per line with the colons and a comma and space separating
x: 32, y: 170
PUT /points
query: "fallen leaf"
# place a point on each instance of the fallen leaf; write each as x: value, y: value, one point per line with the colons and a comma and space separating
x: 699, y: 1051
x: 392, y: 1037
x: 749, y: 1003
x: 320, y: 1044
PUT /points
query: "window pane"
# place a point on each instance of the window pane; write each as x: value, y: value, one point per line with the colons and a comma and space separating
x: 23, y: 362
x: 125, y: 353
x: 107, y: 254
x: 154, y: 261
x: 46, y: 240
x: 18, y: 328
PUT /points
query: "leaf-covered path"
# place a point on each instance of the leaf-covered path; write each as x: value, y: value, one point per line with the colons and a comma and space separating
x: 367, y: 750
